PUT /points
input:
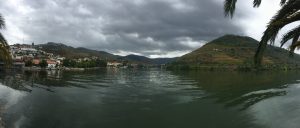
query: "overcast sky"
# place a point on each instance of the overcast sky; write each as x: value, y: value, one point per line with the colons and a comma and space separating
x: 154, y: 28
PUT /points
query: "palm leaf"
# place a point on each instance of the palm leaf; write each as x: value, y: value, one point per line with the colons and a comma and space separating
x: 294, y: 33
x: 282, y: 2
x: 256, y: 3
x: 286, y: 15
x: 3, y: 40
x: 229, y: 7
x: 5, y: 55
x: 2, y: 22
x: 294, y: 45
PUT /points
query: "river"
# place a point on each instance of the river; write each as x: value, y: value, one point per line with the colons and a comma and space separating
x: 154, y: 98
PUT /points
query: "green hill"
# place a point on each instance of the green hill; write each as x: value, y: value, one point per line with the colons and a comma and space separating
x: 146, y: 60
x: 231, y: 50
x: 73, y: 53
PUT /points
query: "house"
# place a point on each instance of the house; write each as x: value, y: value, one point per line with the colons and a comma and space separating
x: 86, y: 59
x: 61, y: 58
x: 51, y: 64
x: 134, y: 65
x: 35, y: 61
x: 114, y: 64
x: 18, y: 58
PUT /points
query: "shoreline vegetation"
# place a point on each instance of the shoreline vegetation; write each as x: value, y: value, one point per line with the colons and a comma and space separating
x: 65, y: 69
x: 172, y: 67
x: 77, y: 68
x: 244, y: 68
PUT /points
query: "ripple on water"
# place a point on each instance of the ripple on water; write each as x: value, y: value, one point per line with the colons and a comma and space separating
x: 278, y: 112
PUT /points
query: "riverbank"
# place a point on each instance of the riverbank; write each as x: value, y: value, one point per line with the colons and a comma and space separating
x: 185, y: 68
x: 233, y: 67
x: 61, y: 69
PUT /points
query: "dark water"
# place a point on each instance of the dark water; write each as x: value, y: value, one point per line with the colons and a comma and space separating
x: 111, y: 98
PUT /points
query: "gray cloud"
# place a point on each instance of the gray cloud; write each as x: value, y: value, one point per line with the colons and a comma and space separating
x: 147, y: 27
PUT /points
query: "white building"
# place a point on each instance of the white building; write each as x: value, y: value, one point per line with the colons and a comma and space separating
x: 114, y: 64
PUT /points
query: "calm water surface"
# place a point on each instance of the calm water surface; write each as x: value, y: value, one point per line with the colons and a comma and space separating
x: 111, y: 98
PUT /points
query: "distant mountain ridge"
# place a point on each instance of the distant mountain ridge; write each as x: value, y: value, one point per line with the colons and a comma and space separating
x: 137, y: 58
x: 71, y: 52
x: 80, y: 52
x: 236, y: 50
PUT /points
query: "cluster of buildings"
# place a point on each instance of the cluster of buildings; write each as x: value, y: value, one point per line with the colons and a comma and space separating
x: 23, y: 53
x: 123, y: 64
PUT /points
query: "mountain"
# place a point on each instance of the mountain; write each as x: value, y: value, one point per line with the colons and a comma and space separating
x: 164, y: 60
x: 137, y: 58
x: 72, y: 53
x: 232, y: 50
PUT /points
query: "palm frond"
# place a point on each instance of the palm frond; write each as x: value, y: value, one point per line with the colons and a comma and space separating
x: 229, y: 7
x: 291, y: 7
x: 295, y: 44
x: 5, y: 55
x: 294, y: 33
x: 2, y: 22
x: 282, y: 2
x: 3, y: 40
x: 286, y: 15
x: 256, y: 3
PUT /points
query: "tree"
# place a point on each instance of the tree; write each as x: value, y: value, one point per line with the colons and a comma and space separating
x: 43, y: 64
x: 69, y: 63
x: 4, y: 47
x: 289, y: 13
x: 28, y: 63
x: 101, y: 63
x: 66, y: 63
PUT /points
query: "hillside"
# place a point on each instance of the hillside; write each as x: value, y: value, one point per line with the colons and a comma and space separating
x: 236, y: 50
x: 137, y: 58
x: 72, y: 53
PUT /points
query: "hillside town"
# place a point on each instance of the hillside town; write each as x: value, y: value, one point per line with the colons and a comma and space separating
x: 32, y: 57
x: 24, y: 55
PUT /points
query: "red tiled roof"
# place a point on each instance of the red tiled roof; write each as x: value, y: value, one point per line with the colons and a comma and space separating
x: 51, y: 62
x: 35, y: 61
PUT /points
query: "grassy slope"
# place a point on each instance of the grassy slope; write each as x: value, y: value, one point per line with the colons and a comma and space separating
x: 236, y: 50
x: 73, y: 53
x: 70, y: 52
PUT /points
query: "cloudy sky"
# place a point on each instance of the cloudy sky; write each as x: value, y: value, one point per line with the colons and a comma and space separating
x: 154, y: 28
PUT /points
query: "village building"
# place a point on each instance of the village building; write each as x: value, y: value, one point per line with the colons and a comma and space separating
x: 51, y: 64
x: 35, y: 61
x: 114, y: 64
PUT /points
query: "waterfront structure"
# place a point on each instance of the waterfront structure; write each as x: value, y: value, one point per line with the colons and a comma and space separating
x: 114, y: 64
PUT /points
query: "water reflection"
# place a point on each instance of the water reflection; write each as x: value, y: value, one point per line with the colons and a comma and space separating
x: 26, y: 80
x: 147, y: 98
x: 14, y: 81
x: 234, y: 88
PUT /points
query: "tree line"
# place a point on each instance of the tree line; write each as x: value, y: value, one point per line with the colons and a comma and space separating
x: 84, y: 64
